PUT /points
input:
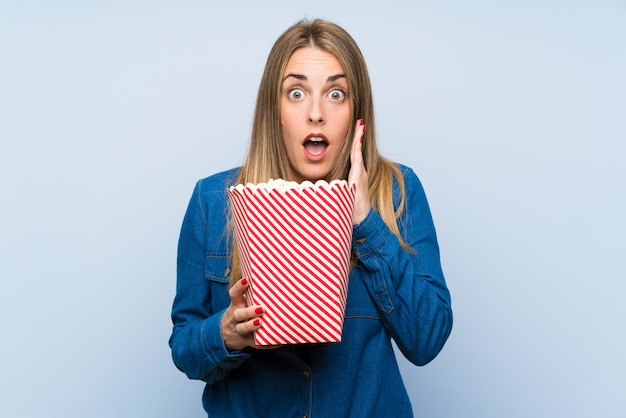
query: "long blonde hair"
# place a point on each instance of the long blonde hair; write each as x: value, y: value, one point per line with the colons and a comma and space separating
x: 267, y: 157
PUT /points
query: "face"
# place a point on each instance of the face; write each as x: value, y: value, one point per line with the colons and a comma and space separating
x: 315, y: 112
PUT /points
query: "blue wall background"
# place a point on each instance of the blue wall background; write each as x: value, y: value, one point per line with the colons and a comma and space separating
x: 512, y: 113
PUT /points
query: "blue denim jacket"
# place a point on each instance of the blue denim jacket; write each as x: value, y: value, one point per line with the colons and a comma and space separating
x: 392, y: 293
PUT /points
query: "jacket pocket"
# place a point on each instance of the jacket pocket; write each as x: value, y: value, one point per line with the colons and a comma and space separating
x: 217, y: 272
x: 217, y: 267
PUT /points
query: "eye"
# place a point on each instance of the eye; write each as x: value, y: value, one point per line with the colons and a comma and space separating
x: 295, y: 94
x: 337, y: 94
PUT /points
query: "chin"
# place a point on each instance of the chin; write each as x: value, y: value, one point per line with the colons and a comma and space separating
x: 317, y: 176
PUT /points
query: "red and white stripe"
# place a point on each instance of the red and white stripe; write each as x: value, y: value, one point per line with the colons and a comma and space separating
x: 294, y: 246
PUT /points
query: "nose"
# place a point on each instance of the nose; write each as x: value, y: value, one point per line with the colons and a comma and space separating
x: 316, y: 111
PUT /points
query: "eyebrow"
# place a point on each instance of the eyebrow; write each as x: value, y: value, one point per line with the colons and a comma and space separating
x: 304, y: 78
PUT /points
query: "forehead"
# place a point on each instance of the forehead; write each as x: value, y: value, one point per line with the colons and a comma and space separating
x: 311, y: 59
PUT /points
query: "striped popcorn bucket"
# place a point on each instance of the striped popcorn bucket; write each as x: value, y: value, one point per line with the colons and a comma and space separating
x: 294, y: 242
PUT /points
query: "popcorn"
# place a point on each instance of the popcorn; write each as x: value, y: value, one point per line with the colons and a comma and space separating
x: 294, y: 241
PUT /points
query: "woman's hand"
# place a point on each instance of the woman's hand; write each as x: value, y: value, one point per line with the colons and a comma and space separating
x: 240, y: 321
x: 358, y: 176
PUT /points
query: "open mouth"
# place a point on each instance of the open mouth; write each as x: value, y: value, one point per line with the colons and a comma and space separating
x: 315, y: 144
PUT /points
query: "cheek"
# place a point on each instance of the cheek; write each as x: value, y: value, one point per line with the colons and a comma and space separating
x: 285, y: 118
x: 289, y: 126
x: 286, y: 130
x: 345, y: 122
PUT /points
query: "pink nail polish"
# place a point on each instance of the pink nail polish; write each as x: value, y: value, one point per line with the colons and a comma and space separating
x: 258, y: 311
x: 360, y: 122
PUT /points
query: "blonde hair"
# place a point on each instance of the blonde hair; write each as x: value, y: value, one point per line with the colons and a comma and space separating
x: 267, y: 157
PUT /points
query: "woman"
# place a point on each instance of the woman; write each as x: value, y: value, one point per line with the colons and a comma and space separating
x: 312, y: 110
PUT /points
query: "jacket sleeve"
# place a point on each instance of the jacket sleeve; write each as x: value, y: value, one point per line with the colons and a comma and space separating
x: 408, y: 286
x: 196, y: 341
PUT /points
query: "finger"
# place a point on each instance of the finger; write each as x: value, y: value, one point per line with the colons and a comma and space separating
x: 267, y: 347
x: 236, y: 292
x: 245, y: 329
x: 358, y: 176
x: 247, y: 314
x: 357, y: 140
x: 356, y: 155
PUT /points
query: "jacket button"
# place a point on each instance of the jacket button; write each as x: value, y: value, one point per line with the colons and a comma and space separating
x: 227, y: 272
x: 306, y: 373
x: 361, y: 240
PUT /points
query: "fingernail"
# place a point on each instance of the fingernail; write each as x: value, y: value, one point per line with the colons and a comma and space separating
x: 364, y: 126
x: 360, y: 122
x: 244, y: 281
x: 257, y: 322
x: 258, y: 311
